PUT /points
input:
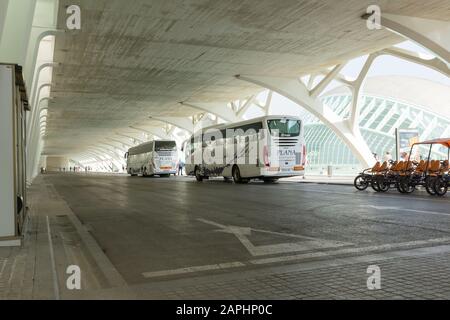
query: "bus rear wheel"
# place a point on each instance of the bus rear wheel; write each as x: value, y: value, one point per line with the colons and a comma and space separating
x: 198, y: 175
x: 237, y: 175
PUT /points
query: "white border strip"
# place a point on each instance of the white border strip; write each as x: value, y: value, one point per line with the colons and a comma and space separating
x: 52, y: 258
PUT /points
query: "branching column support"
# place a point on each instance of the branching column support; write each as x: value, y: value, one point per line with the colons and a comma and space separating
x: 432, y: 35
x: 158, y: 132
x: 220, y: 110
x: 179, y: 122
x: 295, y: 90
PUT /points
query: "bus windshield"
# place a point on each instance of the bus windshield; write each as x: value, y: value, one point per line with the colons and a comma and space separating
x: 165, y: 145
x: 285, y: 127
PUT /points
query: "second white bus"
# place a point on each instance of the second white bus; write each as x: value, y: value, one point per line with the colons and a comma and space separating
x: 158, y: 157
x: 280, y: 153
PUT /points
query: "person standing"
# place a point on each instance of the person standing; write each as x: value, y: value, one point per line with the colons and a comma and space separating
x: 387, y: 156
x: 375, y: 156
x: 180, y: 167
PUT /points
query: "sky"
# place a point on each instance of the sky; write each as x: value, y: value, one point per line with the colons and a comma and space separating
x: 382, y: 66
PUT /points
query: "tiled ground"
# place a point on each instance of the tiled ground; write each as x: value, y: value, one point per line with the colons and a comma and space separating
x: 425, y: 277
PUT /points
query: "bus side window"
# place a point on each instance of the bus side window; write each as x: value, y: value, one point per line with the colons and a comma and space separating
x: 187, y: 148
x: 190, y: 145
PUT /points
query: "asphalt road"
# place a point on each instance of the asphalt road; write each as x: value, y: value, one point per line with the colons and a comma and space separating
x: 152, y: 228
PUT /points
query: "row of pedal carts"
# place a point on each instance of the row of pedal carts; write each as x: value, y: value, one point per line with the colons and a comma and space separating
x: 407, y: 176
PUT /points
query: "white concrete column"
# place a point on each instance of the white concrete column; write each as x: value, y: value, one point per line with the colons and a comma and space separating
x: 3, y: 10
x: 15, y: 27
x: 7, y: 159
x: 182, y: 123
x: 218, y: 109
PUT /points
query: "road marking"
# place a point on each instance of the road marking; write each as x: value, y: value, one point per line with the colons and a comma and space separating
x: 408, y: 210
x: 3, y: 267
x: 210, y: 267
x: 52, y: 258
x: 383, y: 247
x: 242, y: 234
x: 298, y: 257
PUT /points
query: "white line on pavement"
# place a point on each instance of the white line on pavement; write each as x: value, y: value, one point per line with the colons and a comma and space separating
x: 52, y: 258
x: 303, y: 256
x: 172, y: 272
x: 408, y: 210
x: 389, y: 246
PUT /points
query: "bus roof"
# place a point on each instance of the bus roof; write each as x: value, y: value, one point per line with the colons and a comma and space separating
x: 240, y: 123
x: 139, y: 146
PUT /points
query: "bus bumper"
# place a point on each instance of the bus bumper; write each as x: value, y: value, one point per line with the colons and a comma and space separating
x: 280, y: 172
x: 165, y: 172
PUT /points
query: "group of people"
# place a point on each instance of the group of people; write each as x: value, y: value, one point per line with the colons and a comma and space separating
x: 75, y: 169
x: 387, y: 156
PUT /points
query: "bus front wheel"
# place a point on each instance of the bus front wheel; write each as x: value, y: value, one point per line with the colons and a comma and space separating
x: 237, y: 175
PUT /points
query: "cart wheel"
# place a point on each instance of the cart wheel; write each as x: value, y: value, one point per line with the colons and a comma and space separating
x: 361, y: 183
x: 406, y: 185
x: 399, y: 187
x: 430, y: 183
x: 374, y: 184
x: 382, y: 184
x: 440, y: 187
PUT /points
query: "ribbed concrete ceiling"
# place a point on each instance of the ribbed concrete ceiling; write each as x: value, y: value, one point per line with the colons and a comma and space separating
x: 136, y: 58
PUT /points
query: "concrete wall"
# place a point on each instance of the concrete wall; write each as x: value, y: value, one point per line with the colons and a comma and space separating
x: 55, y: 163
x: 7, y: 196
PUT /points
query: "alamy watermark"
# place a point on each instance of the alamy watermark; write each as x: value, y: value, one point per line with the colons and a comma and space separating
x: 374, y: 280
x: 373, y: 17
x: 73, y: 21
x: 73, y: 281
x: 236, y: 146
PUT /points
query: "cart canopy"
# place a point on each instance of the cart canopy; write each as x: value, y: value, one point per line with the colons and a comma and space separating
x: 443, y: 141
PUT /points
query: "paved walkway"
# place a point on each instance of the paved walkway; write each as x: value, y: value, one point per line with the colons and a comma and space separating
x: 411, y: 277
x: 53, y: 241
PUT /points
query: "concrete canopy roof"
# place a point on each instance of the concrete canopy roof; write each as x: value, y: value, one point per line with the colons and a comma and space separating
x: 132, y: 59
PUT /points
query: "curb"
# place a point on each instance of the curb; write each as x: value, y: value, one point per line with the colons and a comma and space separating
x: 328, y: 183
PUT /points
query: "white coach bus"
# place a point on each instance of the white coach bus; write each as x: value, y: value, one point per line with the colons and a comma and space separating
x: 266, y: 148
x: 158, y: 157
